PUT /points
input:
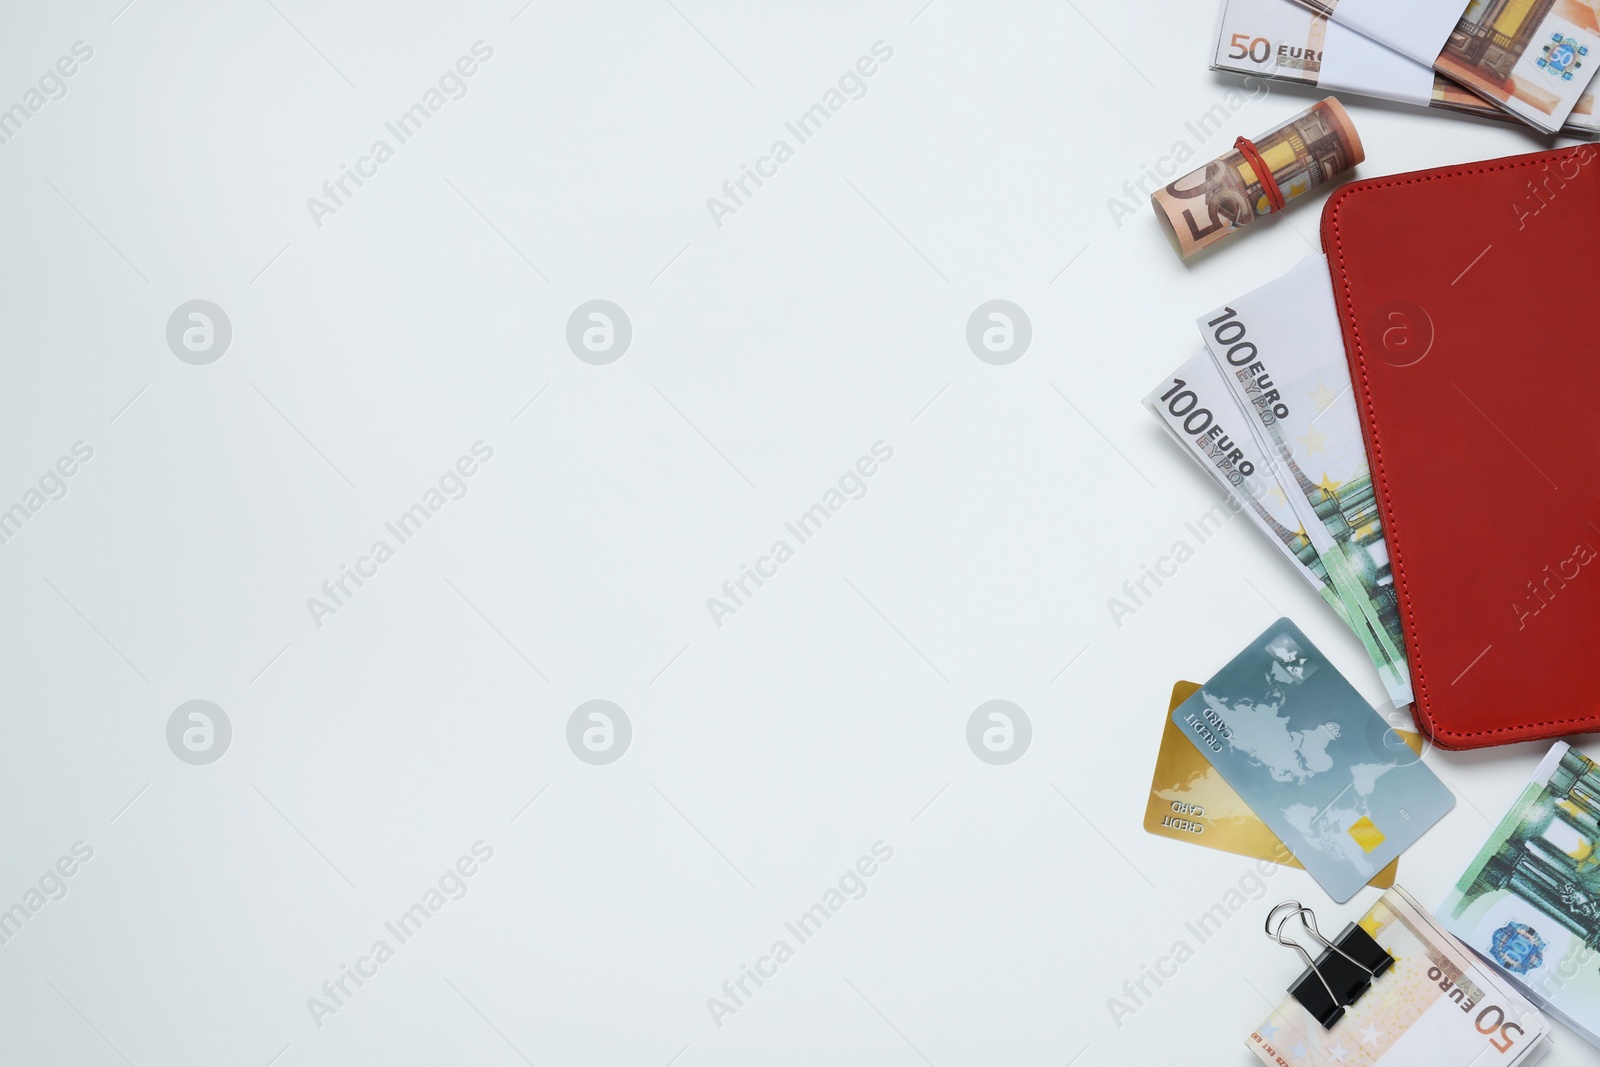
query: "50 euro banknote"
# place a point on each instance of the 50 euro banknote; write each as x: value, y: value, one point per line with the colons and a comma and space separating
x: 1255, y: 178
x: 1437, y: 1005
x: 1532, y: 58
x: 1282, y: 40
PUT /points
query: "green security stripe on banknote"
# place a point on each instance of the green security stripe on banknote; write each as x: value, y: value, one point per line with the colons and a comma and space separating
x: 1356, y: 587
x: 1530, y: 899
x: 1281, y: 353
x: 1351, y: 579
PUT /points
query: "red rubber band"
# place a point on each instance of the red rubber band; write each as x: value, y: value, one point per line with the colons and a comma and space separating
x: 1269, y: 185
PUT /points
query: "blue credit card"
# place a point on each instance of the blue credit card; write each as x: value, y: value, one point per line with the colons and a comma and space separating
x: 1321, y: 768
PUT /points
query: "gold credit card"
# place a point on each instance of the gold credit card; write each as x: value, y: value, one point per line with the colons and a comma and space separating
x: 1190, y: 801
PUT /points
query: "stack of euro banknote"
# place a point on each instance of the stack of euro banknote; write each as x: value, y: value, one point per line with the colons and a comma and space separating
x: 1528, y: 905
x: 1524, y: 60
x: 1437, y: 1006
x: 1266, y: 408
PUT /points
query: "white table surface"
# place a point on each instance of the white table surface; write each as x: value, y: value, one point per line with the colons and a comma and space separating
x: 826, y: 313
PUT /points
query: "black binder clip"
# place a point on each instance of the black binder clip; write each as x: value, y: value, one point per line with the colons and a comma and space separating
x: 1340, y: 975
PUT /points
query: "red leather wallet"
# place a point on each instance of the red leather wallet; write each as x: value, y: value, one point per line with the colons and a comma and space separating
x: 1469, y: 297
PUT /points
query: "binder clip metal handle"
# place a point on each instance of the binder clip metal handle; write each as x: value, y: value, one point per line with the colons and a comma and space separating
x: 1341, y: 973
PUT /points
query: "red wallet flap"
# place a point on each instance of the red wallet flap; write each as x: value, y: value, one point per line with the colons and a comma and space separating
x: 1469, y: 298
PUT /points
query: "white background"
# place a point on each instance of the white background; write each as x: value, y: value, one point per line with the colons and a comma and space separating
x: 768, y: 354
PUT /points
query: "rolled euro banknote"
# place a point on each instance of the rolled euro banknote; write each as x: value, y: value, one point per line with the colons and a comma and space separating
x: 1258, y: 177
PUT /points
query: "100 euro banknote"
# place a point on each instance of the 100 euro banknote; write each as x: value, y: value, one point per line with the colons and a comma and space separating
x: 1436, y: 1005
x: 1194, y: 405
x: 1281, y: 353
